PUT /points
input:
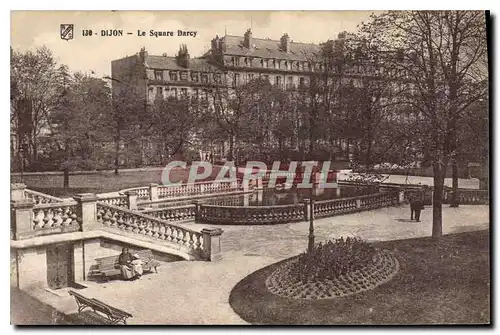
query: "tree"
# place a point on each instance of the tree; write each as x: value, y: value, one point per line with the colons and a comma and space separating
x: 444, y: 56
x: 33, y: 96
x: 76, y: 121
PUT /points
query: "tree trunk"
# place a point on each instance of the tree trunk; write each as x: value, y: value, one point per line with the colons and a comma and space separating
x: 117, y: 152
x: 437, y: 202
x: 66, y: 177
x: 231, y: 148
x: 454, y: 191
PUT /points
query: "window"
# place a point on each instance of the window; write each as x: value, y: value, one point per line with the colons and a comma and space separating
x: 204, y: 78
x: 264, y: 63
x: 302, y: 82
x: 195, y: 93
x: 151, y: 93
x: 247, y: 62
x: 236, y: 80
x: 184, y: 75
x: 204, y: 94
x: 183, y: 93
x: 217, y: 78
x: 278, y: 81
x: 159, y: 92
x: 194, y: 77
x: 158, y: 74
x: 250, y: 76
x: 266, y: 77
x: 277, y: 64
x: 174, y: 92
x: 173, y: 75
x: 237, y: 61
x: 289, y: 83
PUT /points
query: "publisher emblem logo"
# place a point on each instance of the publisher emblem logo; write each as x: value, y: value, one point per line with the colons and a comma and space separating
x: 67, y: 31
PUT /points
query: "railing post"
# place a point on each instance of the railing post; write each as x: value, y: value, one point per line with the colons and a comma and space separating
x: 153, y: 192
x: 401, y: 196
x: 17, y: 191
x: 307, y: 209
x: 245, y: 184
x: 234, y: 184
x: 211, y: 243
x: 131, y: 200
x: 197, y: 210
x: 202, y: 188
x: 22, y: 218
x: 86, y: 210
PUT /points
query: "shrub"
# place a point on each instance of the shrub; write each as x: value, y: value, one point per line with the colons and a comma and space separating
x: 333, y: 259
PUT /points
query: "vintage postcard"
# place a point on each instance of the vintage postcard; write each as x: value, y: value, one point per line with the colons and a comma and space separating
x: 250, y: 168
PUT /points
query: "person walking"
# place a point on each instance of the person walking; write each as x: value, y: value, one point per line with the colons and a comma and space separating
x: 416, y: 206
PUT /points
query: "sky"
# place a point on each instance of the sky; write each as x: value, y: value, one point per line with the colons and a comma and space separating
x: 32, y: 29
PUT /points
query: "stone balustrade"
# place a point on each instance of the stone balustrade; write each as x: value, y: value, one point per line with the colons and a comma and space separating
x: 197, y: 188
x: 373, y: 201
x: 467, y: 196
x: 41, y: 198
x: 119, y: 201
x: 141, y: 224
x: 29, y: 220
x: 177, y: 213
x: 333, y: 207
x: 252, y: 215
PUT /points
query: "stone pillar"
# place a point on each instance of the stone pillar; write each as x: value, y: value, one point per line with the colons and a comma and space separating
x: 78, y: 262
x: 153, y: 192
x: 246, y: 199
x: 86, y: 211
x: 17, y: 191
x: 401, y: 197
x: 22, y: 218
x: 211, y: 243
x: 197, y: 210
x: 131, y: 200
x: 32, y: 268
x: 258, y: 183
x: 307, y: 209
x: 234, y: 184
x: 245, y: 184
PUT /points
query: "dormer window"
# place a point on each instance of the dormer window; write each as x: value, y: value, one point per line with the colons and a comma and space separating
x: 173, y: 75
x: 158, y: 74
x: 184, y: 75
x: 247, y: 62
x: 194, y: 77
x: 204, y: 78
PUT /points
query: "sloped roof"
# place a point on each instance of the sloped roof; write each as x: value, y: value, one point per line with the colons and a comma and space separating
x: 267, y: 48
x: 170, y: 63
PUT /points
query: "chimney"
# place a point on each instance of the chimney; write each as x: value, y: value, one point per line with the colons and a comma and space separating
x: 285, y: 43
x: 248, y: 39
x: 143, y: 54
x: 183, y: 56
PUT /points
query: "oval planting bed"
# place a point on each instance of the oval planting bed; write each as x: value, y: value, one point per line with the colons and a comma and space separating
x: 381, y: 269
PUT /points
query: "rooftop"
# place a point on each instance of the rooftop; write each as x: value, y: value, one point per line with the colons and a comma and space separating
x: 267, y: 48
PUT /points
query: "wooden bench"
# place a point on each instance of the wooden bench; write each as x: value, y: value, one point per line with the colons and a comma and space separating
x: 115, y: 315
x: 109, y: 267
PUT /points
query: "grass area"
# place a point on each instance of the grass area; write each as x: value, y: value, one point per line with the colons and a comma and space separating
x: 445, y: 281
x: 100, y: 182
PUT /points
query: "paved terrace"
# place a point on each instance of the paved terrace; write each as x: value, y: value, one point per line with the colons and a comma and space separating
x: 198, y: 292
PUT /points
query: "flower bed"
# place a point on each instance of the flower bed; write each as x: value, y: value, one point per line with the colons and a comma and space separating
x: 333, y: 270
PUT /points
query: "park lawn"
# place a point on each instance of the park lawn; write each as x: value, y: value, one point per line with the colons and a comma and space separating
x: 100, y: 182
x: 445, y: 281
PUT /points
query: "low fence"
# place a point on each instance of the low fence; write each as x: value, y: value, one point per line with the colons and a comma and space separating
x: 155, y: 192
x: 251, y: 215
x: 41, y: 198
x: 86, y: 212
x: 177, y: 213
x: 334, y: 207
x: 149, y: 226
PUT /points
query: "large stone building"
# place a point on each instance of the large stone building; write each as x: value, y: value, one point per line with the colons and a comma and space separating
x: 284, y: 63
